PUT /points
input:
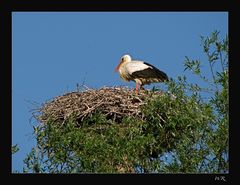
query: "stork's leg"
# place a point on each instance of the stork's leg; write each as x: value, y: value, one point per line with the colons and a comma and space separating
x: 136, y: 87
x: 141, y: 87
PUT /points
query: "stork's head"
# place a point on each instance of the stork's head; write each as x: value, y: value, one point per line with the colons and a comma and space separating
x: 124, y: 58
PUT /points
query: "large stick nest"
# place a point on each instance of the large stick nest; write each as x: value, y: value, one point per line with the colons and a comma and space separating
x: 114, y: 102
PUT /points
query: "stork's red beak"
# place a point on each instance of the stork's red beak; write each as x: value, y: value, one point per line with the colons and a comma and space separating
x: 117, y: 68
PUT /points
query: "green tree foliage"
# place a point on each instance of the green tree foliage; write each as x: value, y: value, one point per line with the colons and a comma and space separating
x: 15, y: 149
x: 183, y: 131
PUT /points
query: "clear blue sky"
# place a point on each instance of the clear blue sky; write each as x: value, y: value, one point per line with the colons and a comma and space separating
x: 53, y: 51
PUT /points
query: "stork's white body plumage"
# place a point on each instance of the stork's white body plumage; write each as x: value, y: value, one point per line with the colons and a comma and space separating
x: 140, y: 72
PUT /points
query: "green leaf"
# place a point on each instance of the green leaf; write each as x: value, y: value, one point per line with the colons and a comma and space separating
x: 15, y: 149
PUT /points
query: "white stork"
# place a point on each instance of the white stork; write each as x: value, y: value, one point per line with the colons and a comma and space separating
x: 140, y: 72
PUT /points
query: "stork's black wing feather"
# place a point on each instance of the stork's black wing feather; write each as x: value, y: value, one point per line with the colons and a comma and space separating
x: 151, y: 72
